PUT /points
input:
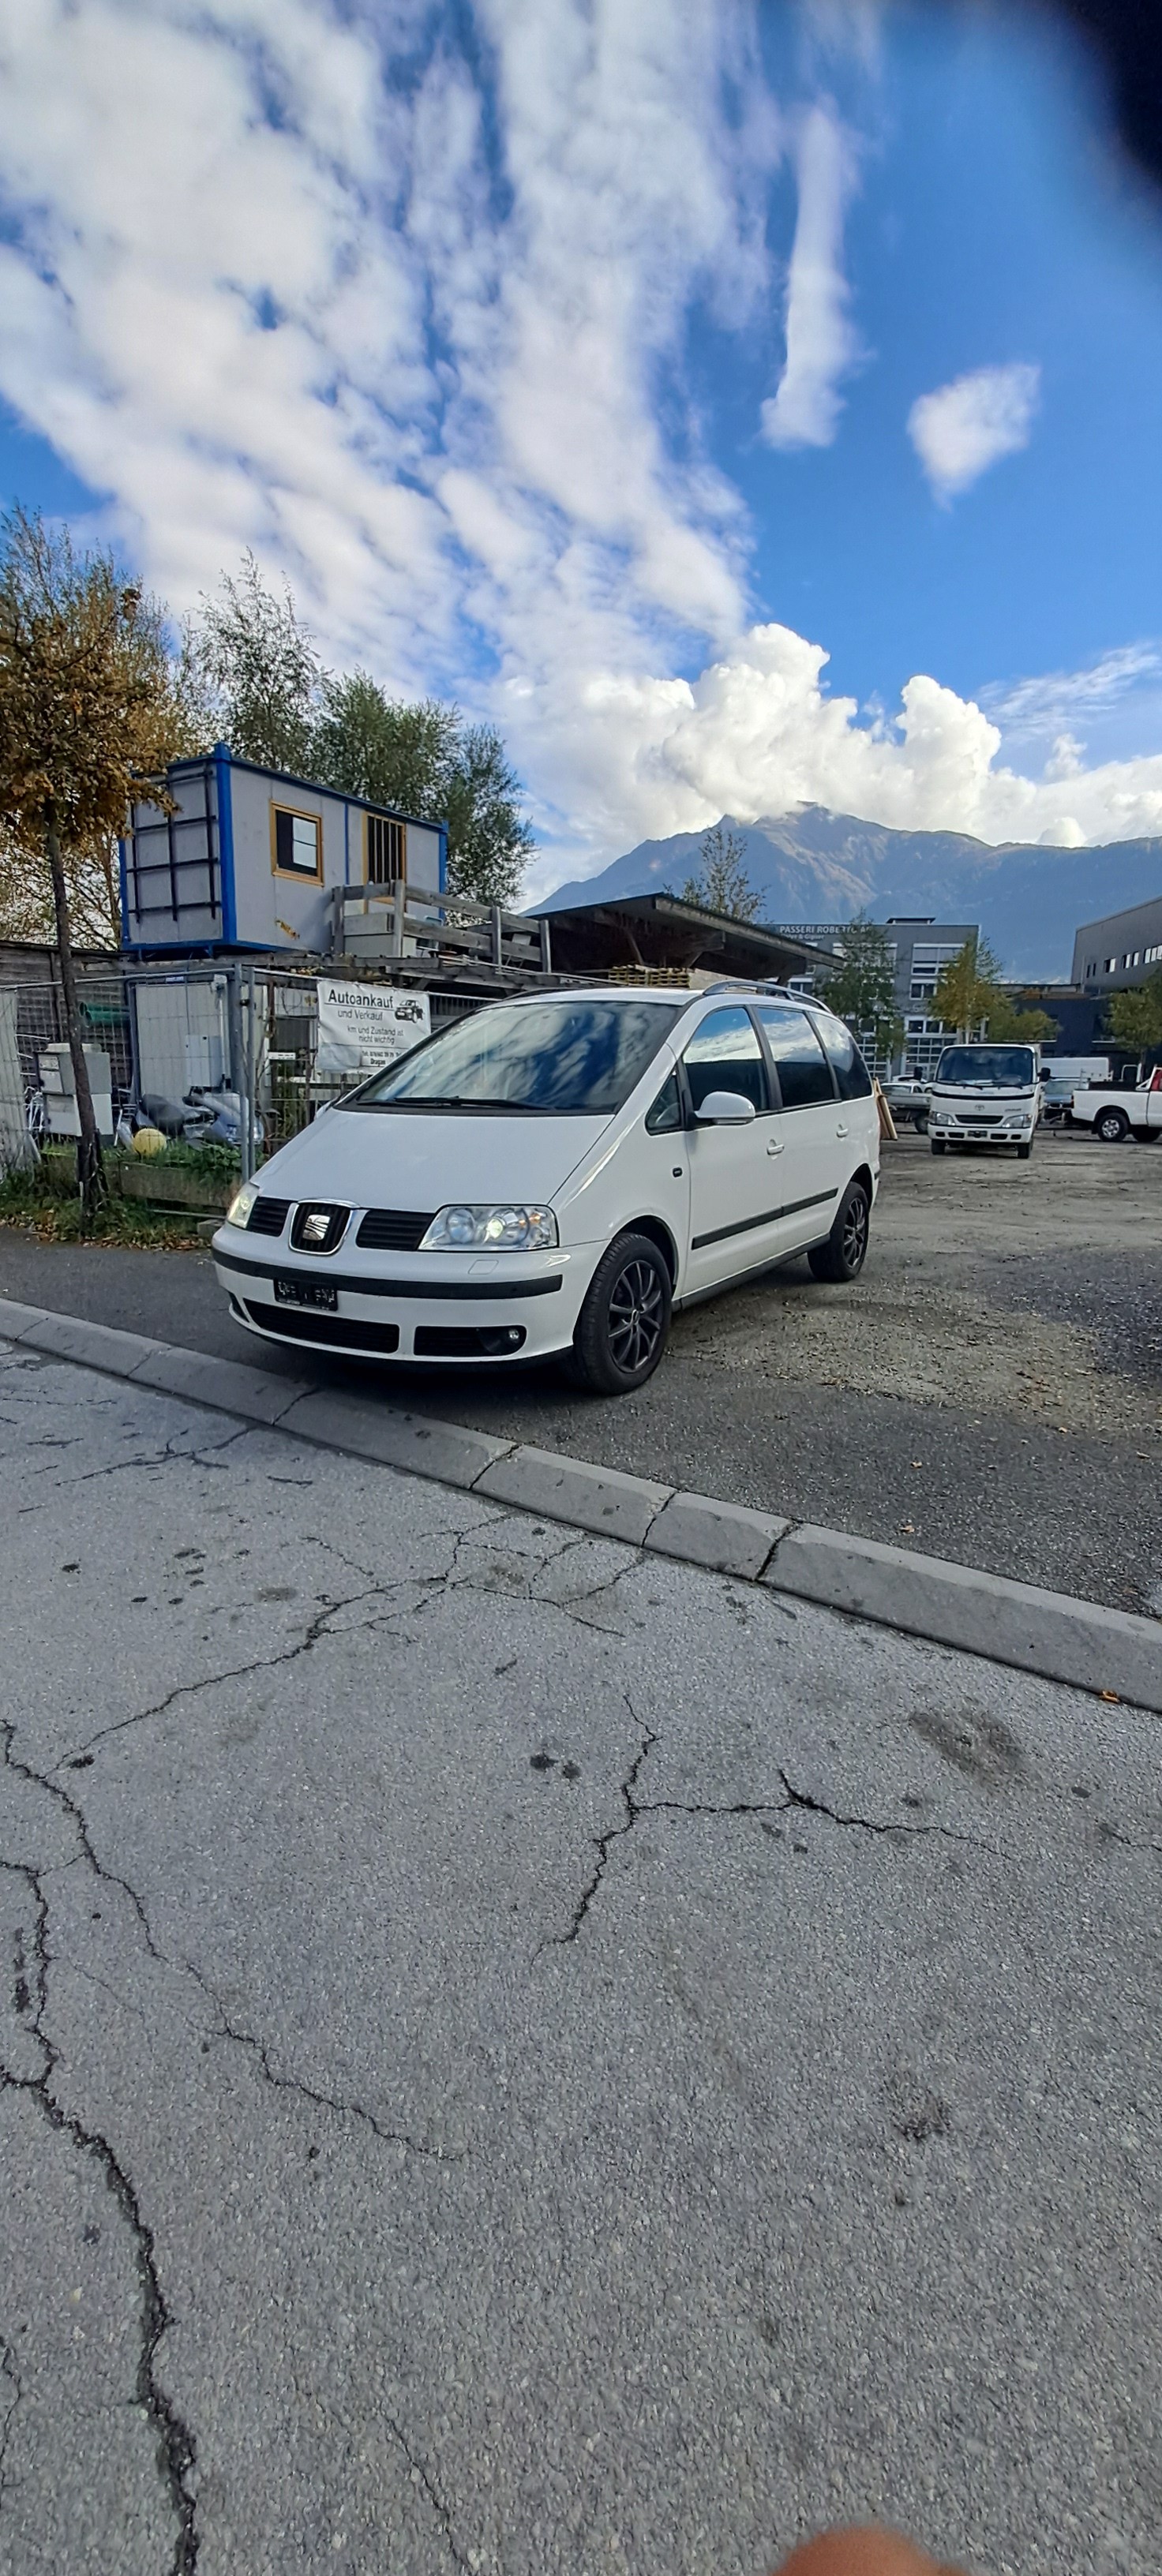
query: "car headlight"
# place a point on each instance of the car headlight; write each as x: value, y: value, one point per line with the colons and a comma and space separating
x: 238, y: 1212
x: 491, y: 1229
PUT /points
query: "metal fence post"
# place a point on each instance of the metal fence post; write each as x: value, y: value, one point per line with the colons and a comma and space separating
x: 238, y: 1068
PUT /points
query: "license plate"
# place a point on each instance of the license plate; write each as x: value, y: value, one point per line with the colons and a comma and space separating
x: 307, y: 1292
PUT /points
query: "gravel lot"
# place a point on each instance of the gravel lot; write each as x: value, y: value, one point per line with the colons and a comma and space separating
x: 991, y: 1390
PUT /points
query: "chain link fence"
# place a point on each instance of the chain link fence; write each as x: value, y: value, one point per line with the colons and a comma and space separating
x: 210, y: 1066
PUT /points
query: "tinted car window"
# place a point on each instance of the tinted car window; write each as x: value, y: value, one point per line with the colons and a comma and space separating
x: 724, y: 1055
x: 851, y: 1072
x: 560, y: 1058
x: 666, y: 1113
x: 799, y: 1059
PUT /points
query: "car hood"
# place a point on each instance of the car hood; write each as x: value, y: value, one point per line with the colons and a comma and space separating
x: 386, y: 1158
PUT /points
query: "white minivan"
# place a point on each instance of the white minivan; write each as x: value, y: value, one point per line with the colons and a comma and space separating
x: 553, y: 1176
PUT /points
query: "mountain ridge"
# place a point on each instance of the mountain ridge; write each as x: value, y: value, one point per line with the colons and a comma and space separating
x: 815, y: 866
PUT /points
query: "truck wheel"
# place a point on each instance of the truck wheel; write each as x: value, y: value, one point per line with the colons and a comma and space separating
x: 939, y: 1144
x: 1111, y: 1126
x: 841, y: 1258
x: 623, y: 1324
x: 1023, y: 1153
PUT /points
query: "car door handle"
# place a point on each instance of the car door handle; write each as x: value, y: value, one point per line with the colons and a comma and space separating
x: 776, y: 1145
x: 841, y: 1129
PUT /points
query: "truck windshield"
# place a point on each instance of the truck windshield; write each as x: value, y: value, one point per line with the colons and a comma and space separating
x: 567, y: 1058
x: 997, y: 1068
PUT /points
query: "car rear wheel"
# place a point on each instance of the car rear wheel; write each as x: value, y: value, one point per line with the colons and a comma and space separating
x: 842, y: 1257
x: 1112, y: 1125
x: 624, y: 1322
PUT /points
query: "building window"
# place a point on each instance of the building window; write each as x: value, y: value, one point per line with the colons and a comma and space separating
x: 296, y: 843
x: 386, y: 848
x: 1110, y: 967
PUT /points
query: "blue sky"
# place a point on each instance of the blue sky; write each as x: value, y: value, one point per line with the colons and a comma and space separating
x: 744, y: 405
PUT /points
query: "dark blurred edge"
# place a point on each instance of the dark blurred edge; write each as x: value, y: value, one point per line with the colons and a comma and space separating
x: 1124, y: 41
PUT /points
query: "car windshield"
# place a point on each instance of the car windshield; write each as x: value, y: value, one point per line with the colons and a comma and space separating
x: 998, y: 1068
x: 567, y: 1058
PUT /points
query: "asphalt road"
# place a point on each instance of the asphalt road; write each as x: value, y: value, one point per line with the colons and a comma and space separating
x: 990, y: 1391
x: 527, y: 2059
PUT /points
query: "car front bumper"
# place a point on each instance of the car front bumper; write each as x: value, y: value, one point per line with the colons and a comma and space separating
x: 440, y: 1309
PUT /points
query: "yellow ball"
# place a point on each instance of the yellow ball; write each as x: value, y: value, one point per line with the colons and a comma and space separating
x: 149, y: 1141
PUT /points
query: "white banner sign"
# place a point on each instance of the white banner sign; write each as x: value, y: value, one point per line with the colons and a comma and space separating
x: 363, y: 1027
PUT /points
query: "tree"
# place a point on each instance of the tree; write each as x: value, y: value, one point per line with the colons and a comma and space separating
x: 425, y: 759
x: 862, y: 988
x: 969, y: 995
x: 253, y: 672
x: 89, y: 713
x: 1012, y: 1026
x: 964, y: 986
x: 255, y: 675
x: 1135, y: 1018
x: 722, y: 883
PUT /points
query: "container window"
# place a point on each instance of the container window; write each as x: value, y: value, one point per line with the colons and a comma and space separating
x: 297, y: 843
x: 387, y: 849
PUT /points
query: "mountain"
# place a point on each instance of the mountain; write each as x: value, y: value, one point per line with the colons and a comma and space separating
x: 816, y: 866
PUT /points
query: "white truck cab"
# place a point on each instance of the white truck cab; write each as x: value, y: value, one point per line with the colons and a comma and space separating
x: 1114, y: 1115
x: 985, y: 1094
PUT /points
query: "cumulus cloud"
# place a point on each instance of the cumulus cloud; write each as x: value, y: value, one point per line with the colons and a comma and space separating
x: 757, y: 733
x: 408, y: 315
x: 821, y: 342
x: 962, y: 429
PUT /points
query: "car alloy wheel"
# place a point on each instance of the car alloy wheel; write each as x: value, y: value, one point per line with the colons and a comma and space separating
x: 841, y: 1258
x: 853, y: 1235
x: 623, y: 1324
x: 1112, y: 1126
x: 636, y: 1316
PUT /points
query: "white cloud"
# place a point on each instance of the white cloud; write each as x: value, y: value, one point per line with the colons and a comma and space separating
x: 757, y: 734
x: 822, y: 344
x: 1031, y: 709
x: 273, y: 275
x: 963, y: 428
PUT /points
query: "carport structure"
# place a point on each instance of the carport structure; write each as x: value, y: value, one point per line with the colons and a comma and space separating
x: 661, y: 931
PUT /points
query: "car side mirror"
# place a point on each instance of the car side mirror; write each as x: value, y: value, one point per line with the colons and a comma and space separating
x: 725, y: 1109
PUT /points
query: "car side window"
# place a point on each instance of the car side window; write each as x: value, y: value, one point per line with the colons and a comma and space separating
x: 802, y: 1068
x: 851, y: 1072
x: 724, y: 1055
x: 666, y: 1113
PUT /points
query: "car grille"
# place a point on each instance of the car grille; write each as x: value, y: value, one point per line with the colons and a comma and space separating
x: 392, y: 1230
x: 268, y: 1216
x: 324, y: 1332
x: 336, y: 1226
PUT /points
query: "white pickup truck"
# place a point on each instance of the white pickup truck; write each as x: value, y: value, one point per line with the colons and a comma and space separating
x: 1116, y: 1114
x: 985, y: 1095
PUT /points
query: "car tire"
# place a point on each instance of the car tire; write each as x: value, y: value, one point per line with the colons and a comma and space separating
x: 1023, y: 1153
x: 939, y: 1144
x: 1112, y: 1125
x: 842, y: 1257
x: 625, y: 1321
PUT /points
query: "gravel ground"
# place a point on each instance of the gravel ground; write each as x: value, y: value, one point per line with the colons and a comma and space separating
x: 990, y: 1390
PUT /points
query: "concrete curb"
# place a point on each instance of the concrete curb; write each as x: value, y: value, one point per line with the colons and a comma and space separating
x: 1077, y: 1642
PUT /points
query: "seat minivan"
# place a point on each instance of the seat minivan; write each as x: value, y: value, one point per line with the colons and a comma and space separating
x: 554, y: 1176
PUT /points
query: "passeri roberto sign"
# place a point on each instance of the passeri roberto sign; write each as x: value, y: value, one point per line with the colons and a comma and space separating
x: 362, y: 1027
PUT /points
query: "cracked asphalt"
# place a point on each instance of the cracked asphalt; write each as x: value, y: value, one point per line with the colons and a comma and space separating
x: 523, y: 2057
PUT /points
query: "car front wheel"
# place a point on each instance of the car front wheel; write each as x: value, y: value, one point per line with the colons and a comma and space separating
x: 624, y: 1322
x: 841, y: 1258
